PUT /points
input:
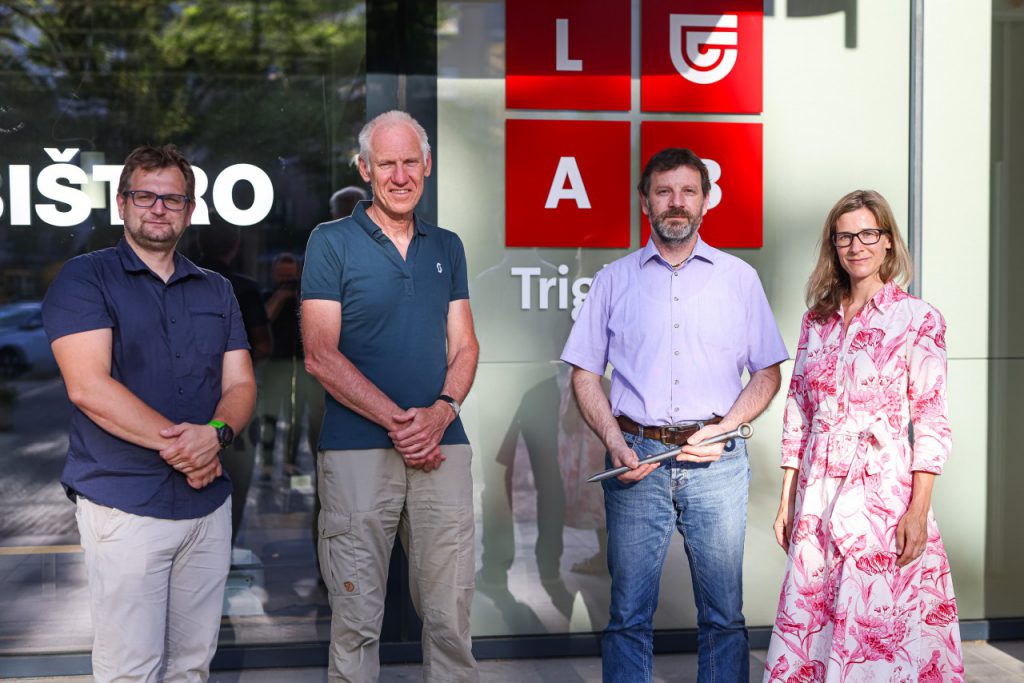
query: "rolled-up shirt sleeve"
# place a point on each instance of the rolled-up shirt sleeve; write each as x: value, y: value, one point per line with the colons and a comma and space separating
x: 587, y: 346
x: 927, y: 394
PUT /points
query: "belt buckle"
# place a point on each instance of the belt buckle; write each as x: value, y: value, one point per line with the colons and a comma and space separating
x: 670, y: 429
x: 692, y: 427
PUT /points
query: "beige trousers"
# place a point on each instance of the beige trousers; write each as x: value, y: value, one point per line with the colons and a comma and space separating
x: 156, y: 592
x: 368, y: 496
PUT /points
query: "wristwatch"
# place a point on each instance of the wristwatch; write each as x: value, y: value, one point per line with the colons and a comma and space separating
x: 225, y: 434
x: 452, y: 402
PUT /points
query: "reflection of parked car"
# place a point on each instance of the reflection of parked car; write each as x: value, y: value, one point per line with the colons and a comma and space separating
x: 23, y: 344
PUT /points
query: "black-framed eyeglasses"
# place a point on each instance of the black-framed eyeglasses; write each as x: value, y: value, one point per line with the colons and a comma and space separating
x: 144, y: 199
x: 869, y: 236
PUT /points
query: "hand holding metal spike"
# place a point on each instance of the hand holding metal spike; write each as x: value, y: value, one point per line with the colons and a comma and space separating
x: 744, y: 431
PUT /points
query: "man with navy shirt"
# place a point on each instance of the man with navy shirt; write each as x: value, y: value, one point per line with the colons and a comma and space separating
x: 156, y: 364
x: 388, y: 332
x: 679, y: 322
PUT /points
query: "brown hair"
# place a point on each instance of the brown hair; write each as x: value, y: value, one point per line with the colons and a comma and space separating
x: 150, y: 158
x: 670, y: 159
x: 828, y: 282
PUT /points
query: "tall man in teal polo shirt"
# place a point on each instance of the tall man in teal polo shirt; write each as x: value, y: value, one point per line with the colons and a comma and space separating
x: 388, y: 331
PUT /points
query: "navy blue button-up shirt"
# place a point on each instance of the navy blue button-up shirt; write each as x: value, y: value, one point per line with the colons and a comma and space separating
x: 169, y: 341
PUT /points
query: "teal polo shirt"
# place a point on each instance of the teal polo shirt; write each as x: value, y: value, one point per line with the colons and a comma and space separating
x: 394, y: 316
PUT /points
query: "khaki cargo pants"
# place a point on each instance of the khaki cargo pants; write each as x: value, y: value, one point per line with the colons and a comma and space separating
x: 367, y: 496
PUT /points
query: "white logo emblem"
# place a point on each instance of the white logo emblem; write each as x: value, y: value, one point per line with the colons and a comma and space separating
x: 700, y: 62
x: 439, y: 268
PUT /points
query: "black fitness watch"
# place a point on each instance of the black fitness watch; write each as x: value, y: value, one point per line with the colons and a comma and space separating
x: 225, y: 434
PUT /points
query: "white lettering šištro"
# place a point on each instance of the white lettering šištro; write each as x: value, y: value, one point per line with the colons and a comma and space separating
x: 710, y: 52
x: 70, y: 187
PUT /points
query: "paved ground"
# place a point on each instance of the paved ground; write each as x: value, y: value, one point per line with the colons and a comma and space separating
x: 985, y: 663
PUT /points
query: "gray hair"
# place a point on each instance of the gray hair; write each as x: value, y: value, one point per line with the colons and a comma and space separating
x: 390, y: 118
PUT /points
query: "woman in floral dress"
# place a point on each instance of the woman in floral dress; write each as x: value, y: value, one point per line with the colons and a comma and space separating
x: 867, y: 594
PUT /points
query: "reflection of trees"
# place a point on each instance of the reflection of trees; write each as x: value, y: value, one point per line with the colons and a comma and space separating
x: 144, y: 68
x: 276, y: 83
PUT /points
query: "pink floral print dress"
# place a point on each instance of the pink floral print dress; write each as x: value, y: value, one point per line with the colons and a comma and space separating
x: 847, y: 613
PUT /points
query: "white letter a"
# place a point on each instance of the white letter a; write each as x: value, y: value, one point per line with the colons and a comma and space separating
x: 567, y: 170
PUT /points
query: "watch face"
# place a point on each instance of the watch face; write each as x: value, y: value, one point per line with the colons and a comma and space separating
x: 225, y: 435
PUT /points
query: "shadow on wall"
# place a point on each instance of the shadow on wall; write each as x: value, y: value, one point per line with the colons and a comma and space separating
x: 817, y: 8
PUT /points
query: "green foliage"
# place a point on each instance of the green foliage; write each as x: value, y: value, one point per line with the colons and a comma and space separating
x: 276, y: 83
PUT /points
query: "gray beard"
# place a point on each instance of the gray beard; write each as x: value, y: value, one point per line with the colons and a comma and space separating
x: 673, y: 239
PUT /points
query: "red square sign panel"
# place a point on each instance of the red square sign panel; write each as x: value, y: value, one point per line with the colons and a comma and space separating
x: 567, y: 183
x: 733, y: 154
x: 702, y: 56
x: 570, y: 54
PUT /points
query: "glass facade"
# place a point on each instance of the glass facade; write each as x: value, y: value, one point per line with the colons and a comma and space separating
x: 1004, y: 554
x: 266, y: 98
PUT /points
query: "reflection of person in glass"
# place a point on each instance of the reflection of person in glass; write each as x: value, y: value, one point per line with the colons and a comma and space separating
x: 867, y: 593
x: 287, y: 387
x: 389, y: 333
x: 218, y: 243
x: 580, y: 454
x: 156, y: 363
x: 343, y: 202
x: 679, y: 321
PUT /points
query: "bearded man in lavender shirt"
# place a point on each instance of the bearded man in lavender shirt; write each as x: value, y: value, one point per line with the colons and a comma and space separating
x: 679, y: 321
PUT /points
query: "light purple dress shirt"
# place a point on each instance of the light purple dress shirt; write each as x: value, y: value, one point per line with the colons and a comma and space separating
x: 678, y: 340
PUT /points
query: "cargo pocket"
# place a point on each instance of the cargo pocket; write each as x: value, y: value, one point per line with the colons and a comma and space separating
x: 337, y: 557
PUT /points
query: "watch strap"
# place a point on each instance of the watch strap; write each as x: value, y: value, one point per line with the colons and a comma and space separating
x: 456, y: 406
x: 225, y: 434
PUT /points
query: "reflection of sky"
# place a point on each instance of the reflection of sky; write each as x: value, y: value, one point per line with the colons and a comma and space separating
x: 27, y: 35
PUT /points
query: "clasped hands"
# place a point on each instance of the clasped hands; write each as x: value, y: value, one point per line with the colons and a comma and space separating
x: 625, y: 456
x: 192, y: 450
x: 417, y: 433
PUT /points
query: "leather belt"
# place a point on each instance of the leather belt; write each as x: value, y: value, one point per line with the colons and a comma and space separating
x: 668, y: 435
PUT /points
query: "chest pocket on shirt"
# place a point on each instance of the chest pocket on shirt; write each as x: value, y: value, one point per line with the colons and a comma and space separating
x: 722, y: 325
x: 211, y: 330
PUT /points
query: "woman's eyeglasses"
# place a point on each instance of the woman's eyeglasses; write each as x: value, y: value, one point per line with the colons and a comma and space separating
x: 845, y: 239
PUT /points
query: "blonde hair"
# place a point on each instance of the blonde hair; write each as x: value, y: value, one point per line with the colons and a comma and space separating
x: 828, y: 282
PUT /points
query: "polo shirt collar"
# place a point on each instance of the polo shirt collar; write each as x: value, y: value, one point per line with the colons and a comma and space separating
x: 701, y: 250
x: 131, y: 262
x: 360, y: 216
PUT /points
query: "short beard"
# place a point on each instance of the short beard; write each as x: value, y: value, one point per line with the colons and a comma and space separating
x: 673, y: 239
x: 150, y: 244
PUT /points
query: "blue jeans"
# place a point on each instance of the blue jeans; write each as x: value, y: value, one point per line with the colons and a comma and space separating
x: 707, y: 502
